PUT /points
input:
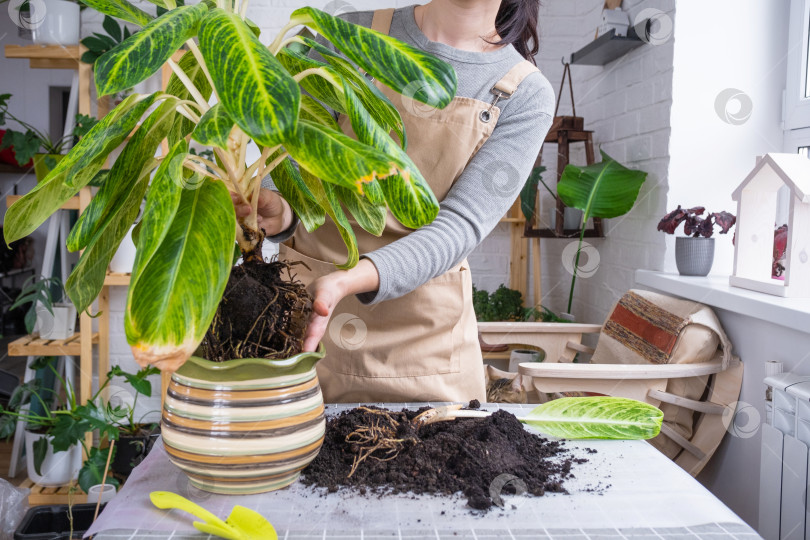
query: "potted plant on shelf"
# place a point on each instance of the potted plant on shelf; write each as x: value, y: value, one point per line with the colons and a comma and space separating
x: 55, y: 430
x: 694, y: 253
x: 184, y: 233
x: 51, y: 320
x: 603, y: 190
x: 32, y: 143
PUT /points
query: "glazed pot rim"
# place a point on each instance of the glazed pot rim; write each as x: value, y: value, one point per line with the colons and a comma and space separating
x: 236, y: 363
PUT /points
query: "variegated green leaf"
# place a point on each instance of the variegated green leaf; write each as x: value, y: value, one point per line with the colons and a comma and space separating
x: 87, y: 278
x: 400, y: 66
x: 120, y: 9
x: 162, y: 201
x: 371, y: 217
x: 255, y: 89
x: 214, y: 128
x: 376, y: 103
x: 144, y: 52
x: 407, y: 193
x: 313, y: 111
x: 327, y: 199
x: 77, y: 168
x: 289, y: 183
x: 321, y: 89
x: 339, y: 159
x: 171, y: 305
x: 122, y: 176
x: 188, y: 63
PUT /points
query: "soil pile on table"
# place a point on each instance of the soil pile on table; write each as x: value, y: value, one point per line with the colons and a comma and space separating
x: 263, y: 314
x: 479, y: 457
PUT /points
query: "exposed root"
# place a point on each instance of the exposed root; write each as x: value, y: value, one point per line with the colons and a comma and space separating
x: 378, y: 440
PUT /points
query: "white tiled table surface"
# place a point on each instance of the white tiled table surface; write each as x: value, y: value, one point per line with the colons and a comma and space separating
x: 627, y: 489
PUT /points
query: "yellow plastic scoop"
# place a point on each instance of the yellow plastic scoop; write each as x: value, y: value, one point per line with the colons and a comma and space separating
x: 242, y: 523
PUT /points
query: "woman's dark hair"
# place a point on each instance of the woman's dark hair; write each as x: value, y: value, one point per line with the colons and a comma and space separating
x: 516, y: 24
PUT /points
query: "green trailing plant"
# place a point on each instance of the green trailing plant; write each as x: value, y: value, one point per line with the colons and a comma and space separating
x: 189, y: 225
x: 35, y: 292
x: 30, y: 140
x: 67, y: 421
x: 602, y: 190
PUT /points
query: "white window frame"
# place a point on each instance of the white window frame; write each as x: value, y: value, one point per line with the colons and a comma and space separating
x: 797, y: 106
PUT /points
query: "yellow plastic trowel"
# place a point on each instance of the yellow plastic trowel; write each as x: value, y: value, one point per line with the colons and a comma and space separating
x: 242, y: 523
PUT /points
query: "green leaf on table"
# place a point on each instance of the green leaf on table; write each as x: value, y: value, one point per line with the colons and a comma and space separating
x: 40, y: 453
x: 605, y: 190
x: 173, y: 300
x: 253, y: 87
x: 402, y: 67
x: 75, y: 170
x: 214, y: 128
x: 120, y: 9
x: 596, y: 418
x: 144, y: 52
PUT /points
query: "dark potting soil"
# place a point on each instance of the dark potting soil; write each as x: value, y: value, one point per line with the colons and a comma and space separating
x: 263, y: 314
x: 478, y: 457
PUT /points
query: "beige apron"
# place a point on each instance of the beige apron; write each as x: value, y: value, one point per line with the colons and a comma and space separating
x: 422, y: 346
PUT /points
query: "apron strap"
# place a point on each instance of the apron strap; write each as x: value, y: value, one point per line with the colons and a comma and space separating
x: 381, y: 21
x: 509, y: 83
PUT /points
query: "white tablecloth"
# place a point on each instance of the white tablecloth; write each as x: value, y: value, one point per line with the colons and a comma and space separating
x: 627, y: 488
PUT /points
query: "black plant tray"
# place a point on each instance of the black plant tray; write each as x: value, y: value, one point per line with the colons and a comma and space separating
x: 52, y: 523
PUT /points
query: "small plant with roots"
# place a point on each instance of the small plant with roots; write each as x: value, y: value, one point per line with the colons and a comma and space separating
x: 229, y: 91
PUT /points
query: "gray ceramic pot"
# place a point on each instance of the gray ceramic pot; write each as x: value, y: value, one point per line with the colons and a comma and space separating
x: 694, y: 256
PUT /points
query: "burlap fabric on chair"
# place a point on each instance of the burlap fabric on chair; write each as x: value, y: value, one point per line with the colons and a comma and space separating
x: 651, y: 328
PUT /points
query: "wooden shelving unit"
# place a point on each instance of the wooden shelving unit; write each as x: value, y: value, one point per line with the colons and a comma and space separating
x: 33, y: 345
x: 40, y: 495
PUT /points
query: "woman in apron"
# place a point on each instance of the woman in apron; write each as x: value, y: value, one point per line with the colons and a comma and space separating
x: 400, y: 325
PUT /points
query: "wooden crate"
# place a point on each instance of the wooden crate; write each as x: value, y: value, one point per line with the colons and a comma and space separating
x: 41, y: 495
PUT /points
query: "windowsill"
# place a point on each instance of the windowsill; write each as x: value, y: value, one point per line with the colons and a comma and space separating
x: 716, y: 292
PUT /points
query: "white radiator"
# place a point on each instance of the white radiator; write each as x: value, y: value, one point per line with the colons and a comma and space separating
x: 784, y: 513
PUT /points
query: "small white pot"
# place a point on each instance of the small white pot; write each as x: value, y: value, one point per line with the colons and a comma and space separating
x: 106, y: 491
x: 60, y: 325
x: 57, y: 22
x: 124, y: 258
x: 59, y: 468
x: 518, y: 356
x: 572, y: 218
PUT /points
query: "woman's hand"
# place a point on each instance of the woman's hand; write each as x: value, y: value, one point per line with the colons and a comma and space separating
x: 275, y: 214
x: 327, y: 291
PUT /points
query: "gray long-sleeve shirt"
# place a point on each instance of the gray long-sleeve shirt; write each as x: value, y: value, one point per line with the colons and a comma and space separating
x: 493, y: 178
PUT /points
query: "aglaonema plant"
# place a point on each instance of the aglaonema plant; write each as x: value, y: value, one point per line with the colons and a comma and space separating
x: 229, y: 90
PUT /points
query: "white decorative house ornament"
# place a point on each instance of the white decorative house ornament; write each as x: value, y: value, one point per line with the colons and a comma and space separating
x: 756, y: 215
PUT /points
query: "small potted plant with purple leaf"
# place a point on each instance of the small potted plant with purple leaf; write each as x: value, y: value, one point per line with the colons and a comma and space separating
x: 694, y: 253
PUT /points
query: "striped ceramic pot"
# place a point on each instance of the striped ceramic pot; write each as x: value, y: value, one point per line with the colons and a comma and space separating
x: 244, y: 426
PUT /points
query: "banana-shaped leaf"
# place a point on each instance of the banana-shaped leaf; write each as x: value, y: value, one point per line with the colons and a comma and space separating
x: 188, y: 63
x: 120, y: 9
x: 605, y: 190
x: 596, y: 418
x: 255, y: 89
x: 339, y: 159
x: 75, y: 170
x: 123, y: 176
x: 327, y: 199
x: 321, y: 89
x: 87, y: 278
x: 144, y: 52
x: 313, y: 111
x: 289, y: 183
x: 402, y: 67
x: 214, y: 128
x: 162, y: 201
x: 407, y: 193
x: 371, y: 217
x: 171, y: 305
x: 376, y: 103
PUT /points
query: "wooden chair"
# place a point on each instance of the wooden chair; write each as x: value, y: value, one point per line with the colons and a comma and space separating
x: 644, y: 382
